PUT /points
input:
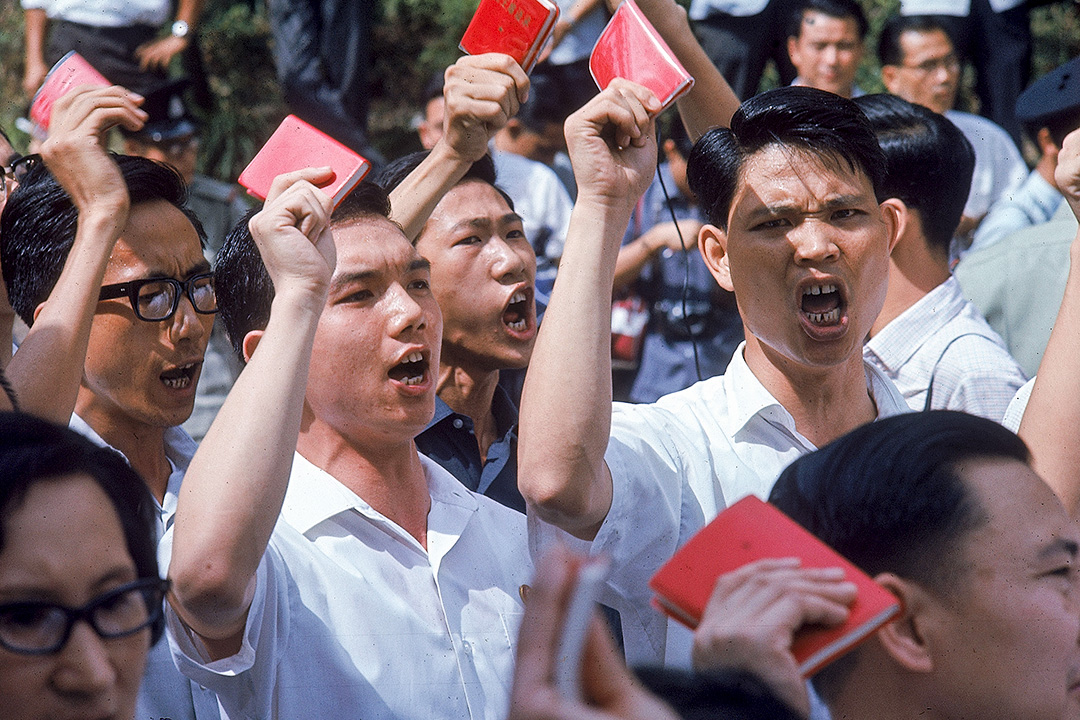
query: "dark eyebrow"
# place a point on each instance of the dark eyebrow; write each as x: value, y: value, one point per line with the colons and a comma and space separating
x: 840, y: 201
x: 1070, y: 547
x: 419, y: 264
x: 361, y: 276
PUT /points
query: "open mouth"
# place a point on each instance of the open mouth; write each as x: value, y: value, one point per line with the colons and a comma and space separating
x: 822, y: 304
x: 516, y: 315
x: 411, y: 371
x: 180, y: 377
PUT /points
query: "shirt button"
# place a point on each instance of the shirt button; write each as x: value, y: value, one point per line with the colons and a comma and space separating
x: 458, y: 423
x: 467, y: 646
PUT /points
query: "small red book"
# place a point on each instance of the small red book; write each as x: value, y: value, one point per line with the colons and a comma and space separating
x: 630, y: 48
x: 518, y: 28
x: 296, y: 145
x: 752, y: 530
x: 70, y: 72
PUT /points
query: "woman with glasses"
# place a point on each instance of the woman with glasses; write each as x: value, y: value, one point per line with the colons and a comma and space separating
x: 80, y: 595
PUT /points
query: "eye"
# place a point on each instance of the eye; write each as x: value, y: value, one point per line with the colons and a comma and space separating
x: 357, y: 296
x: 471, y: 240
x: 516, y: 234
x: 774, y: 224
x: 421, y: 284
x: 846, y: 213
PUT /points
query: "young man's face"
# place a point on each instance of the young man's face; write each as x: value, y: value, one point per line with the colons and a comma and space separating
x: 827, y: 52
x: 929, y: 73
x: 483, y: 272
x: 1006, y: 642
x: 138, y: 372
x: 806, y: 253
x: 376, y: 349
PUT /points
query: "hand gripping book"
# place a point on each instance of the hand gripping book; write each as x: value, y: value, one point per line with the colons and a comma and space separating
x: 518, y: 28
x: 752, y: 530
x: 630, y: 48
x: 296, y: 145
x: 68, y: 73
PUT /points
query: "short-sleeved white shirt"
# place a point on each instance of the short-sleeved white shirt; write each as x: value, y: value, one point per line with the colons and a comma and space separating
x: 675, y: 464
x: 352, y: 617
x: 104, y: 13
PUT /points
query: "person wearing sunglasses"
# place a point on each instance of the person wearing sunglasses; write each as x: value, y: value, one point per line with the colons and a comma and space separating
x: 80, y: 595
x: 103, y: 260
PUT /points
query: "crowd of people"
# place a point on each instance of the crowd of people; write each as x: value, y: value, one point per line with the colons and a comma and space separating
x: 409, y: 446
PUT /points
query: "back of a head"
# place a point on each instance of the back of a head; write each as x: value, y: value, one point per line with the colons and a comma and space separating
x: 839, y: 9
x: 39, y: 221
x: 801, y: 119
x: 930, y: 163
x: 33, y: 450
x: 890, y: 51
x: 244, y: 288
x: 888, y: 496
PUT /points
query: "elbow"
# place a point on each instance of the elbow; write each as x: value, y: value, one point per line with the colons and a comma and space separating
x: 207, y: 594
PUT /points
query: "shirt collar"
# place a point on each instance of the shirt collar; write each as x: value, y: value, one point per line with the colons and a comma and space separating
x: 502, y: 407
x: 896, y: 343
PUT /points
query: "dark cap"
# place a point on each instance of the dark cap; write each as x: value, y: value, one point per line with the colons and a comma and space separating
x: 169, y: 119
x: 1055, y: 94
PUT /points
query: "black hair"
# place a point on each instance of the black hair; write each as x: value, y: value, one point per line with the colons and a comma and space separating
x: 37, y: 229
x: 434, y: 87
x: 889, y: 50
x: 889, y: 496
x: 33, y: 450
x: 930, y: 163
x: 395, y: 173
x: 244, y: 288
x: 727, y: 694
x: 839, y: 9
x: 800, y: 118
x: 1059, y: 125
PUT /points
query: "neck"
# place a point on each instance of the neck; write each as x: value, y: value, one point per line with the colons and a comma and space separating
x: 875, y: 689
x: 914, y: 270
x: 385, y: 472
x: 825, y: 402
x: 143, y: 445
x: 470, y: 392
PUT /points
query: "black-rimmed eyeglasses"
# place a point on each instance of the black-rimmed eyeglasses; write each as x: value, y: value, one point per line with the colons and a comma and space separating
x: 156, y: 299
x: 43, y: 628
x: 17, y: 170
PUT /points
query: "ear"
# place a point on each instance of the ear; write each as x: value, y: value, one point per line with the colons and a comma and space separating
x: 668, y: 148
x: 888, y: 77
x: 1046, y: 143
x: 513, y: 127
x: 712, y: 242
x: 793, y: 49
x: 37, y: 310
x: 251, y: 341
x: 903, y: 638
x: 896, y: 216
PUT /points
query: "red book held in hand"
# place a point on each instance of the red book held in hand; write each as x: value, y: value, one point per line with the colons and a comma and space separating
x: 69, y: 73
x: 518, y: 28
x: 753, y: 530
x: 296, y: 145
x: 630, y: 48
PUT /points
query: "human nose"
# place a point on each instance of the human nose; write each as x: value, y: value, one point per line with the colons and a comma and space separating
x: 508, y: 262
x: 186, y: 323
x: 405, y: 312
x: 813, y: 243
x: 85, y: 666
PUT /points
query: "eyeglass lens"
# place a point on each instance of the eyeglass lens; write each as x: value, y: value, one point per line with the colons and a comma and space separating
x: 158, y: 299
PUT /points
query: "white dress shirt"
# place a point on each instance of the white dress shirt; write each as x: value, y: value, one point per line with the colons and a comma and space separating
x: 1033, y: 203
x: 999, y: 166
x: 352, y: 617
x: 946, y: 338
x: 104, y: 13
x: 675, y: 464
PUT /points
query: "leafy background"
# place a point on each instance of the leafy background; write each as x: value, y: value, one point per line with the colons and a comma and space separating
x: 412, y: 40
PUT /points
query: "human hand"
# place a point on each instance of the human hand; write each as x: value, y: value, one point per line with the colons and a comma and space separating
x: 612, y: 144
x: 1067, y: 173
x: 754, y: 612
x: 611, y: 692
x: 292, y: 232
x: 482, y: 93
x: 157, y: 54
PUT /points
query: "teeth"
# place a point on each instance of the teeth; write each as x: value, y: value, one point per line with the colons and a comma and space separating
x: 414, y: 357
x: 177, y: 383
x: 517, y: 326
x: 826, y: 318
x: 819, y: 289
x: 413, y: 380
x: 518, y: 297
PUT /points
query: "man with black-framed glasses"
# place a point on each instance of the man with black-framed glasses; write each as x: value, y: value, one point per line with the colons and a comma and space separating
x: 104, y: 261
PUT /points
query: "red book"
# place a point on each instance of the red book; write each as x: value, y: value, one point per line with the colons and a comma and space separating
x: 296, y: 145
x: 70, y: 72
x: 630, y: 48
x: 518, y: 28
x: 752, y: 530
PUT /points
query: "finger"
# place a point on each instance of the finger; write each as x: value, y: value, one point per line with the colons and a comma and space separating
x: 503, y: 65
x: 538, y: 637
x: 314, y: 175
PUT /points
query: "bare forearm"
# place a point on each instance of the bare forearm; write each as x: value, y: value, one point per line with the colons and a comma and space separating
x: 189, y: 11
x: 632, y: 260
x: 413, y: 200
x: 34, y: 34
x: 234, y: 488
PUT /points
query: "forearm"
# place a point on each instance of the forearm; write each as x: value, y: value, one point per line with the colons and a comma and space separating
x: 234, y: 488
x: 189, y: 11
x: 47, y: 369
x: 633, y: 258
x: 1053, y: 412
x: 35, y: 22
x: 711, y: 102
x: 414, y: 199
x: 566, y: 403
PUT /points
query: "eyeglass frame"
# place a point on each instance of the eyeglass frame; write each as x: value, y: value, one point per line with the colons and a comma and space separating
x: 950, y: 62
x: 131, y: 288
x: 154, y: 611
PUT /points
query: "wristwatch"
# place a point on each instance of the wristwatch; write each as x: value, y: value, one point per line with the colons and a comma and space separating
x: 180, y: 29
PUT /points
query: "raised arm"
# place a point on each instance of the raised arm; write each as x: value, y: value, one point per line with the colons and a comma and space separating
x: 235, y: 485
x: 711, y: 102
x: 158, y: 53
x: 47, y: 370
x: 482, y: 92
x: 1053, y: 411
x: 35, y: 22
x: 566, y: 402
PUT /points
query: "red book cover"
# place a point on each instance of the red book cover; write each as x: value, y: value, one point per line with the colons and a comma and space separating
x: 71, y: 71
x: 518, y: 28
x: 296, y: 145
x: 752, y: 530
x: 630, y: 48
